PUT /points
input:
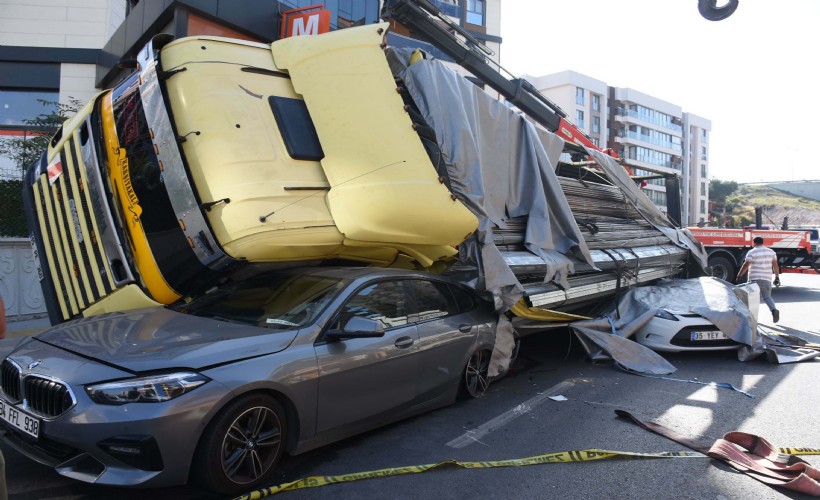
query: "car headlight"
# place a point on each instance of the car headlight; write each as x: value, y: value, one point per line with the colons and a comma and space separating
x: 152, y: 389
x: 664, y: 314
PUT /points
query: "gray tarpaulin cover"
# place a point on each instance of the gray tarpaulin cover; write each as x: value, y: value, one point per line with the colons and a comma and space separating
x: 713, y: 299
x: 500, y: 167
x: 732, y: 309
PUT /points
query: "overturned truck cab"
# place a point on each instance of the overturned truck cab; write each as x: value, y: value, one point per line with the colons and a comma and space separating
x: 206, y: 158
x: 218, y: 154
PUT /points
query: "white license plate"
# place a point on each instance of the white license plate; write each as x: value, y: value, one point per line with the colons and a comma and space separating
x: 708, y: 335
x: 22, y: 420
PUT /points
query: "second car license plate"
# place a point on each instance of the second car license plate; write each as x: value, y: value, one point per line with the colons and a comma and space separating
x: 24, y: 421
x: 708, y: 335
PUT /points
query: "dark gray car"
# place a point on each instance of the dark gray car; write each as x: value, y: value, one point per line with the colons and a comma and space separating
x: 220, y: 387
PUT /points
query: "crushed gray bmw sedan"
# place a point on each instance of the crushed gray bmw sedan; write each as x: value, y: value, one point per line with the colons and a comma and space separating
x: 219, y: 388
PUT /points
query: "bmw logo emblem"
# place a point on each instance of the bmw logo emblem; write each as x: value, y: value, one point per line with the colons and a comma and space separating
x: 34, y: 364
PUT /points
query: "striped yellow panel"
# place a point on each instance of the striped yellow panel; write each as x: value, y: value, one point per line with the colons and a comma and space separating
x: 52, y: 263
x: 88, y: 231
x: 68, y: 177
x: 58, y: 258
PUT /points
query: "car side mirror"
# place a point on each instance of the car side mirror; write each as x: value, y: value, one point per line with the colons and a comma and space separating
x: 358, y: 327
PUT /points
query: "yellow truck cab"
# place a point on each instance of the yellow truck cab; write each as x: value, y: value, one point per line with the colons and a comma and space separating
x: 218, y: 152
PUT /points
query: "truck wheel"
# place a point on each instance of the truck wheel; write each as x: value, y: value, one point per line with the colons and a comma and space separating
x: 722, y: 268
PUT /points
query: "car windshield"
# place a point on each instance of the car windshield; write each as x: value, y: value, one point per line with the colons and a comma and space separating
x: 269, y: 300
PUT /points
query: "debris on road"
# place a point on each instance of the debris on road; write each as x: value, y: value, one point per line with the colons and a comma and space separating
x: 727, y: 320
x: 749, y: 454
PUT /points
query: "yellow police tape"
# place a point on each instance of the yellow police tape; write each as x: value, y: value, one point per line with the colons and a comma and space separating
x: 551, y: 458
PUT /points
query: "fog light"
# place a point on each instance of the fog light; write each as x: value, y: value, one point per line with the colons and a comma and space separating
x: 141, y: 452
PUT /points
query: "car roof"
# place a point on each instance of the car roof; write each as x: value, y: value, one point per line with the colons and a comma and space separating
x: 355, y: 273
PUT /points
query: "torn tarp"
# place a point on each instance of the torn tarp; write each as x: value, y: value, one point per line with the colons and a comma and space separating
x: 500, y: 167
x: 732, y: 309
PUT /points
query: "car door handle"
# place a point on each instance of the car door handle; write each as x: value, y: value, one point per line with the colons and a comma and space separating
x: 403, y: 342
x: 465, y: 328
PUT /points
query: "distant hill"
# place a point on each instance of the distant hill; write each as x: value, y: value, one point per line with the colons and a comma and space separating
x: 739, y: 207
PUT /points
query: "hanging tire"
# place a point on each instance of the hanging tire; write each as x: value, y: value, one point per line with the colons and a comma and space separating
x: 710, y: 10
x: 475, y: 379
x: 242, y: 446
x: 722, y: 268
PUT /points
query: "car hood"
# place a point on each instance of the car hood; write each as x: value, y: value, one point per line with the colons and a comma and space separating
x: 158, y: 338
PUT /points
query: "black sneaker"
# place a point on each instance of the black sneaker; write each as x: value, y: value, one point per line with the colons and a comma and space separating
x: 775, y: 315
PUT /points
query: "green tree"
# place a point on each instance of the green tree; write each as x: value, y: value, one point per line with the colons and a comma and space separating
x: 23, y: 151
x: 719, y: 190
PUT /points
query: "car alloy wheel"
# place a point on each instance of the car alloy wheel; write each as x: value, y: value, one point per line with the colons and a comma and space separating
x: 242, y: 445
x: 476, y: 379
x: 251, y: 445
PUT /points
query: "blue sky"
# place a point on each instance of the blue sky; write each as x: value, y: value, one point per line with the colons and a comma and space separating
x: 754, y: 75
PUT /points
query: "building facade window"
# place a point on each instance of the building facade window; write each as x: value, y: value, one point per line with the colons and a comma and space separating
x: 17, y: 106
x: 579, y: 118
x: 651, y: 156
x: 703, y: 206
x: 703, y: 189
x: 475, y: 12
x: 657, y: 197
x: 703, y: 170
x: 448, y: 7
x: 579, y: 96
x: 596, y: 124
x: 703, y: 152
x: 650, y: 116
x: 349, y: 13
x: 596, y: 102
x: 651, y: 136
x: 640, y: 173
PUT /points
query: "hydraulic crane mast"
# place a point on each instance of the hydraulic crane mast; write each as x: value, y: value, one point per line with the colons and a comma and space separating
x: 424, y: 19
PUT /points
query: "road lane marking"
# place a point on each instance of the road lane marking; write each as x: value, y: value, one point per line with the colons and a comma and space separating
x: 475, y: 435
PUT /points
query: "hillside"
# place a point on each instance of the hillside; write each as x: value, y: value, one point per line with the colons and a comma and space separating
x: 740, y: 207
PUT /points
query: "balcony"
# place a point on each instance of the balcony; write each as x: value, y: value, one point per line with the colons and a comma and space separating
x: 677, y: 148
x: 647, y: 119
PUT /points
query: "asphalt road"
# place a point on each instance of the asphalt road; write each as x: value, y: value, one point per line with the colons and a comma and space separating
x: 516, y: 419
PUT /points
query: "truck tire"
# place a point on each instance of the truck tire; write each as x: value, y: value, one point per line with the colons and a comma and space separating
x: 722, y: 268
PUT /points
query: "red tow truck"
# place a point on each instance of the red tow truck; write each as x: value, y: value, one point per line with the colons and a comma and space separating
x: 727, y: 249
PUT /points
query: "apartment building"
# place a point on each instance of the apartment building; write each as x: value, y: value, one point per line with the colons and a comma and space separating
x: 652, y: 135
x: 695, y: 185
x: 584, y: 99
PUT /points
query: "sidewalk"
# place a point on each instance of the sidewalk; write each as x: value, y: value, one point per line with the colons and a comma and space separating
x: 26, y: 327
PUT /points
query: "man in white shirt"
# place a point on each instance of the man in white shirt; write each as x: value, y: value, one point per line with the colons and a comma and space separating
x: 761, y: 262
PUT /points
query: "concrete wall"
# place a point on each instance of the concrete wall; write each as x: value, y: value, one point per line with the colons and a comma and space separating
x: 806, y: 189
x: 19, y: 284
